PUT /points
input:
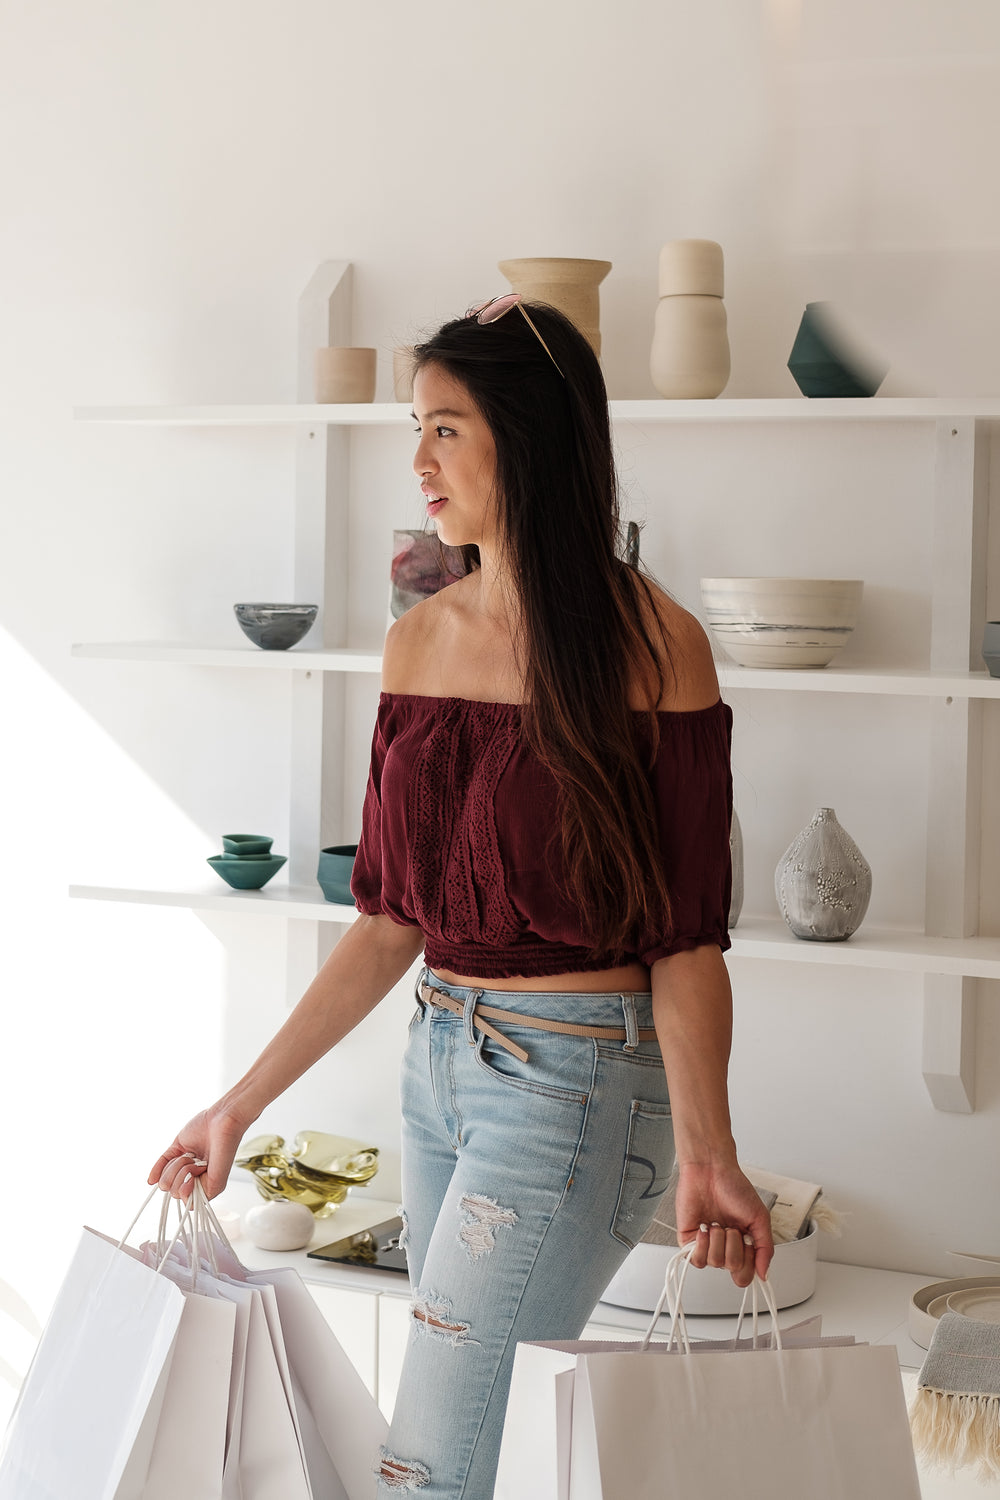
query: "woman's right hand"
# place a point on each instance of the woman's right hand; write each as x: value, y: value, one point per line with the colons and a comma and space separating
x: 206, y: 1148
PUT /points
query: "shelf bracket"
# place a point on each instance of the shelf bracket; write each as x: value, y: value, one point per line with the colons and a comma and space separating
x: 958, y: 599
x: 322, y: 484
x: 949, y: 1050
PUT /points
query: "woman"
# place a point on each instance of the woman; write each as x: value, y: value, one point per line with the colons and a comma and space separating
x: 547, y: 820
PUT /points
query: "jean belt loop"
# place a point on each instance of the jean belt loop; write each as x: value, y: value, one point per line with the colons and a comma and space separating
x: 422, y: 978
x: 471, y: 1001
x: 631, y: 1023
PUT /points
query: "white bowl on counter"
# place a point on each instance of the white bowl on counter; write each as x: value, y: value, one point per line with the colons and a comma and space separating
x: 781, y: 622
x: 707, y: 1292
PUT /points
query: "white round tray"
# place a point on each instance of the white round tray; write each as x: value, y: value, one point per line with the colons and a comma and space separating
x: 923, y: 1317
x: 639, y: 1282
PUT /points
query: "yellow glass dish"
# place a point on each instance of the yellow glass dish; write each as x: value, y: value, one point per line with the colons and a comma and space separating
x: 317, y: 1171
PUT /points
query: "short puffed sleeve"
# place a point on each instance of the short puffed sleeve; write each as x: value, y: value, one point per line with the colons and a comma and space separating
x: 380, y: 877
x: 693, y: 793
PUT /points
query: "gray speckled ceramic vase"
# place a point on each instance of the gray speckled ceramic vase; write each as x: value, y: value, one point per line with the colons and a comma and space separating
x: 736, y: 854
x: 823, y: 882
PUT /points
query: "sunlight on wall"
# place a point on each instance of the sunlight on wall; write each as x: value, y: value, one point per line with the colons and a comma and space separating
x: 112, y: 1014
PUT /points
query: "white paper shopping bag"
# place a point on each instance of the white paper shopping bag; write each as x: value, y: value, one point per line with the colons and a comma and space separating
x: 342, y: 1427
x: 265, y: 1459
x: 821, y: 1419
x: 85, y: 1422
x: 335, y: 1420
x: 189, y: 1449
x: 535, y: 1450
x: 828, y: 1423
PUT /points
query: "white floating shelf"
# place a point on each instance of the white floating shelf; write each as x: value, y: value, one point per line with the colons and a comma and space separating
x: 801, y: 409
x: 754, y: 937
x: 870, y: 948
x: 340, y: 659
x: 902, y: 683
x: 304, y: 902
x: 737, y: 409
x: 370, y: 414
x: 907, y: 683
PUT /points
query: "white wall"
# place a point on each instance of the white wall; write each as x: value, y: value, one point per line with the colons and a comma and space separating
x: 171, y: 176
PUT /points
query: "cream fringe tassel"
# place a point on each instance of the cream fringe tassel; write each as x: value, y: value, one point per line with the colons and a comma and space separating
x: 951, y: 1431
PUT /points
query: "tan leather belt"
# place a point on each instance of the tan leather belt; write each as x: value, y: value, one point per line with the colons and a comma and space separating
x: 483, y: 1014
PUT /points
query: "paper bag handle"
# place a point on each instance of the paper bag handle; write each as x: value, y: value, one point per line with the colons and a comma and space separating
x: 673, y: 1296
x: 198, y: 1225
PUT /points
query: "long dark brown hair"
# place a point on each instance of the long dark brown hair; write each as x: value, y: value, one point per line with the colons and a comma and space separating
x: 590, y: 632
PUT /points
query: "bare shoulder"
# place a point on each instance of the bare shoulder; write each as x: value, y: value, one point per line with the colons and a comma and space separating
x: 415, y: 646
x: 409, y: 643
x: 690, y: 679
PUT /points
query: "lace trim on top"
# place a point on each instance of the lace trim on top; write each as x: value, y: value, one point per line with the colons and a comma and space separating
x: 455, y: 850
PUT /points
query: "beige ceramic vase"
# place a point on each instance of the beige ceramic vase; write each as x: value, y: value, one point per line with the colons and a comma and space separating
x: 689, y: 359
x: 569, y: 285
x: 402, y: 373
x: 344, y: 374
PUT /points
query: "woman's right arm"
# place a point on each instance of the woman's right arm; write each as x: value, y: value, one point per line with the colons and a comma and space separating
x: 370, y: 958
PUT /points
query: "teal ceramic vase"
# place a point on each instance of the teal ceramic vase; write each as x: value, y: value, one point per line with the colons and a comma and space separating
x: 991, y: 647
x: 822, y: 362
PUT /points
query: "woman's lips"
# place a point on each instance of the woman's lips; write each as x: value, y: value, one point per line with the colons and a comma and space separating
x: 435, y: 503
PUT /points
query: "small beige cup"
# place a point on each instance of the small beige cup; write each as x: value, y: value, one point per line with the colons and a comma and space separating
x: 345, y: 374
x: 402, y: 373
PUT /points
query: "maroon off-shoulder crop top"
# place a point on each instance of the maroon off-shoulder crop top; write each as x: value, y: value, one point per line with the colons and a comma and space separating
x: 460, y: 837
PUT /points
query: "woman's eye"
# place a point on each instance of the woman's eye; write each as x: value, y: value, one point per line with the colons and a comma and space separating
x: 446, y: 432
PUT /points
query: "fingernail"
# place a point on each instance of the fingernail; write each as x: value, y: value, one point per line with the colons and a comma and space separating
x: 186, y: 1178
x: 715, y: 1224
x: 703, y: 1228
x: 747, y: 1240
x: 199, y: 1163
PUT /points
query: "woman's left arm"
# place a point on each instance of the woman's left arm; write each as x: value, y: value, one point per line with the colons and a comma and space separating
x: 693, y: 1012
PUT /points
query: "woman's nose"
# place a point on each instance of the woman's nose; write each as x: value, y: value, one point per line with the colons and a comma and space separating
x: 423, y: 464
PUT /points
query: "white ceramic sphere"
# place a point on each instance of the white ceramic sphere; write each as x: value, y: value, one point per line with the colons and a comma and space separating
x: 279, y: 1225
x: 781, y: 622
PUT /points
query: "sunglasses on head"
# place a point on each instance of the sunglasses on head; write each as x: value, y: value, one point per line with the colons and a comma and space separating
x: 497, y: 307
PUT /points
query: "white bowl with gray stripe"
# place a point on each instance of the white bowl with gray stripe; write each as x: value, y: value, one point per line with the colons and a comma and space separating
x: 781, y: 622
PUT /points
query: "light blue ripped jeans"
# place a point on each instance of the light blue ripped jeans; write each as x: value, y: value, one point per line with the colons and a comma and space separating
x: 524, y: 1187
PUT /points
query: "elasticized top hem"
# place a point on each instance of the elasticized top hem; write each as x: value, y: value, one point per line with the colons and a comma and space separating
x: 535, y: 960
x: 532, y: 961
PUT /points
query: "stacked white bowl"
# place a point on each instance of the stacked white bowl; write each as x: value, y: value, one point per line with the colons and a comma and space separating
x: 781, y: 622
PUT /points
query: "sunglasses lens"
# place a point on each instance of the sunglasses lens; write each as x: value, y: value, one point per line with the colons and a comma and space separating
x: 491, y: 311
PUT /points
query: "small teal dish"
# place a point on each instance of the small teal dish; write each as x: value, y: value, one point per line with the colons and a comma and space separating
x: 246, y: 874
x: 991, y: 647
x: 247, y: 845
x: 334, y: 873
x: 822, y: 363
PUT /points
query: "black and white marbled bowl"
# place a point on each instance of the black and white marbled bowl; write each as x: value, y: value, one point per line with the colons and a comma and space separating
x: 275, y: 627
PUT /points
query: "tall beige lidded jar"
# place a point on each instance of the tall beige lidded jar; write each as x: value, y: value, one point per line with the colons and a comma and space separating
x: 690, y: 355
x: 569, y: 285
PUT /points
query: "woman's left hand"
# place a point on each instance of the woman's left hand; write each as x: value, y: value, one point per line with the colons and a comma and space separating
x: 718, y: 1208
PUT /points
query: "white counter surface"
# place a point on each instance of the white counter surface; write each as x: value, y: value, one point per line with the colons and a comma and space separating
x: 870, y: 1304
